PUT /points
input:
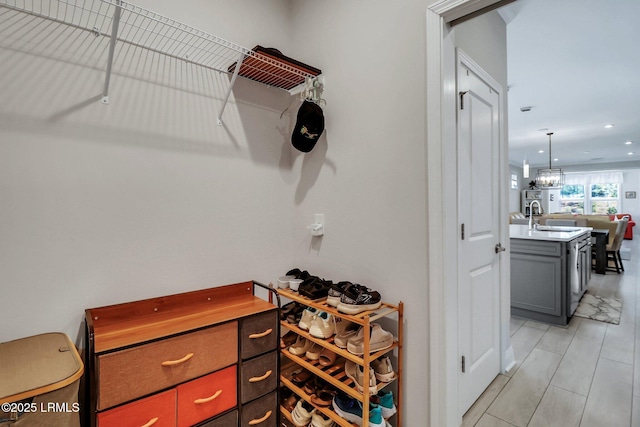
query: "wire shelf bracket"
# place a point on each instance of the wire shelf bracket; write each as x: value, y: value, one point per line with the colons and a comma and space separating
x: 129, y: 28
x: 117, y: 13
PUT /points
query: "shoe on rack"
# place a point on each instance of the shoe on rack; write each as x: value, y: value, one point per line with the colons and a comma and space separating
x: 384, y: 399
x: 335, y: 292
x: 307, y: 317
x: 288, y: 339
x: 351, y: 410
x: 301, y: 346
x: 379, y: 339
x: 323, y: 397
x: 323, y: 325
x: 327, y: 357
x: 383, y: 369
x: 314, y: 352
x: 343, y: 325
x: 302, y: 413
x: 300, y: 377
x: 356, y: 373
x: 318, y: 419
x: 357, y: 298
x: 288, y: 399
x: 314, y: 288
x: 296, y: 273
x: 292, y: 312
x: 348, y: 332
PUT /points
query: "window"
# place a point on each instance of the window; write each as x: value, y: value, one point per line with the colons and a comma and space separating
x: 572, y: 199
x: 592, y: 193
x: 605, y: 198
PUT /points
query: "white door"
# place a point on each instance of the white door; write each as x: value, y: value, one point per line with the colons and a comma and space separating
x: 479, y: 207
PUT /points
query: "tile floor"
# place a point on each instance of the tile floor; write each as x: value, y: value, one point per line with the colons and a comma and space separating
x: 584, y: 375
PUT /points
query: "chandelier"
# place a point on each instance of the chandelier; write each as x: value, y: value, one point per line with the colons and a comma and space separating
x: 552, y: 177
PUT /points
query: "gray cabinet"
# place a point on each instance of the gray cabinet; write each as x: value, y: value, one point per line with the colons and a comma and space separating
x: 548, y: 278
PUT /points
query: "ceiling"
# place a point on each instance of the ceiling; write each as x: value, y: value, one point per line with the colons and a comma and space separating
x: 576, y: 64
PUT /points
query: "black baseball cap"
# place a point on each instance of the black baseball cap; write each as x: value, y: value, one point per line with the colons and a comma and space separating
x: 309, y: 126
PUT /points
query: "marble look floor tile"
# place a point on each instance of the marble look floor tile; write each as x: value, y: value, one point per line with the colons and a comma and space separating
x: 610, y: 399
x: 523, y: 341
x: 559, y: 408
x: 515, y: 323
x: 557, y: 339
x: 619, y: 343
x: 490, y: 421
x: 519, y: 399
x: 575, y: 373
x: 480, y: 406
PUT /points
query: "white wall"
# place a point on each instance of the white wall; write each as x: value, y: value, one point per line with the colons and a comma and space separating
x: 146, y: 196
x: 368, y: 171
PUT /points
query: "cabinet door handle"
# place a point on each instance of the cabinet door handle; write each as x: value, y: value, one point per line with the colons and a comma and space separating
x: 177, y: 362
x: 264, y: 377
x: 261, y: 334
x: 208, y: 399
x: 259, y: 420
x: 151, y: 422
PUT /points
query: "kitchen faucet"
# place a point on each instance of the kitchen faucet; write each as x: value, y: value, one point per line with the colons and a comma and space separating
x: 531, y: 213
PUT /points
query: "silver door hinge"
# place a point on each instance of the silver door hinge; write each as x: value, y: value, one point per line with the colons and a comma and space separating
x: 461, y: 231
x: 463, y: 364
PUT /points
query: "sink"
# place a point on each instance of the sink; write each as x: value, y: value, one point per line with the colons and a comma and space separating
x: 556, y: 228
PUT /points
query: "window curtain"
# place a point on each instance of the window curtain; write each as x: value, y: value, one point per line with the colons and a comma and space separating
x: 606, y: 177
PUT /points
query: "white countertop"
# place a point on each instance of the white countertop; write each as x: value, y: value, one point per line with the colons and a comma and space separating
x: 557, y: 234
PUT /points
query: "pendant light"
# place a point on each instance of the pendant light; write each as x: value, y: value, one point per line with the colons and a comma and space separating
x: 552, y: 177
x: 525, y: 168
x: 525, y: 162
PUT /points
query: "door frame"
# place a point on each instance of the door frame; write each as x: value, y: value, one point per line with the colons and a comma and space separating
x: 442, y: 229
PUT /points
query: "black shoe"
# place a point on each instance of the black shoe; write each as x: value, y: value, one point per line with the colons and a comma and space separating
x: 357, y: 298
x: 335, y: 292
x: 315, y: 288
x: 298, y: 274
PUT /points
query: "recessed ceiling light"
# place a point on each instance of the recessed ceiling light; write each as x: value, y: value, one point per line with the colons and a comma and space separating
x: 555, y: 160
x: 609, y: 126
x: 540, y: 151
x: 628, y: 142
x: 587, y: 152
x: 630, y: 153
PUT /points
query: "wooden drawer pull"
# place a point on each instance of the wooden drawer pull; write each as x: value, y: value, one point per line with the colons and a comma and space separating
x: 177, y: 362
x: 151, y: 422
x: 208, y: 399
x: 261, y: 334
x: 258, y: 421
x: 264, y: 377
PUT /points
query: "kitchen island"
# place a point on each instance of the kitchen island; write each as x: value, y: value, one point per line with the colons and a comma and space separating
x: 550, y: 271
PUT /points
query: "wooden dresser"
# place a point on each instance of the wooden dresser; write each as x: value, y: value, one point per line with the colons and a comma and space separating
x: 207, y: 357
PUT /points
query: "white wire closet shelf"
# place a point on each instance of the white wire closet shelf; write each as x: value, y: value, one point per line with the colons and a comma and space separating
x: 99, y: 33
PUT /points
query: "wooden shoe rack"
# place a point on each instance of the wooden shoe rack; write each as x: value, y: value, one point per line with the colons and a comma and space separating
x: 335, y: 374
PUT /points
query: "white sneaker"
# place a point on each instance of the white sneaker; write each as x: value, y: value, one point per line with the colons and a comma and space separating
x: 302, y: 413
x: 307, y: 317
x: 301, y: 346
x: 323, y: 325
x: 342, y: 338
x: 378, y: 340
x: 318, y: 419
x: 356, y: 373
x: 383, y: 369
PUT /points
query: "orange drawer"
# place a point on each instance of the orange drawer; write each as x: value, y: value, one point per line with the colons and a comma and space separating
x: 160, y: 407
x: 207, y: 396
x: 128, y: 374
